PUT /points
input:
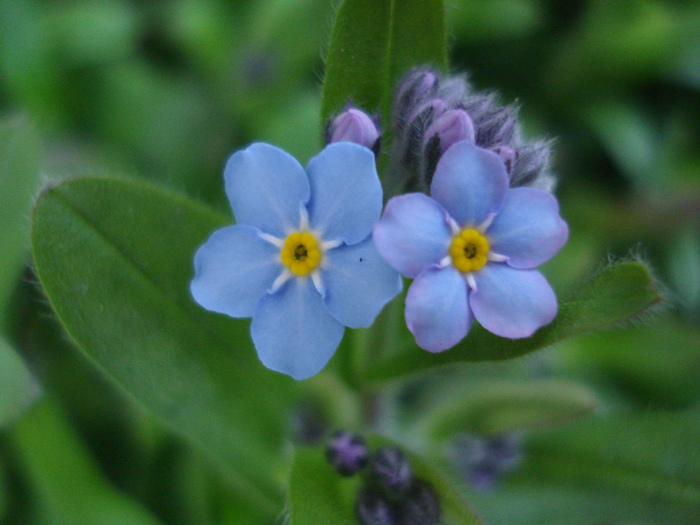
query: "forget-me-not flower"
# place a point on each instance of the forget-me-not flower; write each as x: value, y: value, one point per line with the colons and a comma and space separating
x: 472, y: 249
x: 300, y: 260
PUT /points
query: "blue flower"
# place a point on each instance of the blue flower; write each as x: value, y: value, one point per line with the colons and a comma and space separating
x: 300, y: 260
x: 472, y: 249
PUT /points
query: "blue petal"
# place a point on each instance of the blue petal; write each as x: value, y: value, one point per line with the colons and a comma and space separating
x: 436, y: 308
x: 528, y: 229
x: 512, y: 303
x: 413, y: 233
x: 293, y: 331
x: 346, y: 196
x: 267, y: 188
x: 470, y: 182
x: 233, y: 270
x: 358, y: 283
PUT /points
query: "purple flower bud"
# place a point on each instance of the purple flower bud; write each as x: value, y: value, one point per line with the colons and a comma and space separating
x: 531, y: 164
x: 353, y: 125
x: 391, y: 470
x: 417, y: 87
x: 508, y: 156
x: 454, y: 125
x: 421, y: 506
x: 347, y: 452
x: 372, y: 509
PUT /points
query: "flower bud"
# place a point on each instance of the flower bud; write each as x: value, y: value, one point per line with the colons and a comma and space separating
x: 496, y: 126
x: 421, y: 505
x: 454, y: 125
x: 346, y: 452
x: 391, y: 471
x: 417, y: 87
x: 508, y: 155
x: 531, y: 164
x: 353, y: 125
x: 372, y: 509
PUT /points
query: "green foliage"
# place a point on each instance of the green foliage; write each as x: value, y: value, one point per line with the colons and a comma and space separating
x: 115, y: 260
x: 165, y: 92
x: 622, y: 291
x: 502, y: 406
x: 317, y: 494
x: 62, y: 468
x: 20, y: 161
x: 18, y: 386
x: 374, y: 43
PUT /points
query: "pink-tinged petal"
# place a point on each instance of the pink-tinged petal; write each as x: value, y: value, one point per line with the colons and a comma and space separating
x: 233, y: 270
x: 346, y: 195
x: 267, y: 188
x: 292, y: 330
x: 412, y: 234
x: 528, y: 229
x: 510, y: 302
x: 358, y: 283
x: 437, y: 313
x: 470, y: 183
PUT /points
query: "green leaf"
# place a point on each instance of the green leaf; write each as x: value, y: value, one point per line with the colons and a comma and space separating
x: 628, y: 468
x: 373, y: 44
x: 620, y: 292
x: 115, y: 259
x: 507, y: 405
x: 67, y: 484
x: 20, y: 160
x: 17, y: 387
x: 318, y: 494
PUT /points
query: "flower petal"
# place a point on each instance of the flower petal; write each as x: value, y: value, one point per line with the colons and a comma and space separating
x: 470, y: 183
x: 512, y: 303
x: 293, y: 331
x: 528, y: 229
x: 358, y: 283
x: 413, y: 233
x: 233, y: 270
x: 267, y: 188
x: 437, y: 313
x: 346, y: 195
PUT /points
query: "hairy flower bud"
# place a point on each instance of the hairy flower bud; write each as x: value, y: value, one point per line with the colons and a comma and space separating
x: 346, y: 452
x: 417, y: 87
x: 391, y: 471
x: 450, y: 127
x: 373, y: 509
x: 508, y: 155
x: 531, y: 165
x: 421, y: 505
x: 353, y: 125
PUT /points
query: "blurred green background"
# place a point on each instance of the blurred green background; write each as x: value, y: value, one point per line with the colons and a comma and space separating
x: 166, y: 90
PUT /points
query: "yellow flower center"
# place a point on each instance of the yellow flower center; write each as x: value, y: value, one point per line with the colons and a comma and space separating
x: 301, y: 253
x: 469, y: 250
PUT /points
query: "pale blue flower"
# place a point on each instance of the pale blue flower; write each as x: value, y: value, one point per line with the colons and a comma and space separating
x: 301, y: 260
x: 472, y: 249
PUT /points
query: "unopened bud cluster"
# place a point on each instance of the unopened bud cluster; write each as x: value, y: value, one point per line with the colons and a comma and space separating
x: 431, y: 113
x: 390, y: 493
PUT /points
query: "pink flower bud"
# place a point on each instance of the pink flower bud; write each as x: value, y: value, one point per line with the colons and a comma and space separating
x: 454, y: 125
x: 355, y: 126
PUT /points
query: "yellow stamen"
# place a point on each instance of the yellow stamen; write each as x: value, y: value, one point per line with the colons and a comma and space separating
x: 301, y: 253
x: 469, y: 250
